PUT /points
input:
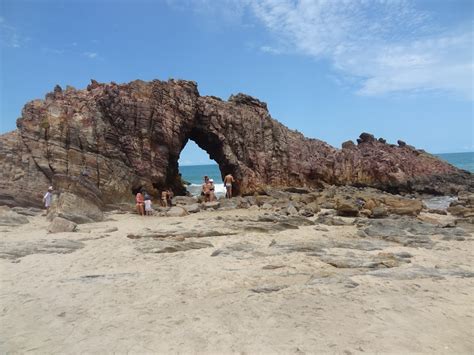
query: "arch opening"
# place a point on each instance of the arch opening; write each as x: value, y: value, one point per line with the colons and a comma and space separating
x: 195, y: 152
x: 194, y: 163
x: 213, y: 144
x: 202, y: 155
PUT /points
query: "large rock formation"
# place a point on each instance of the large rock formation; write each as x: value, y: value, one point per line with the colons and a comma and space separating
x: 109, y: 140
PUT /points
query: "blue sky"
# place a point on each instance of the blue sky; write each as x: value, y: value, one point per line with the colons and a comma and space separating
x: 330, y: 69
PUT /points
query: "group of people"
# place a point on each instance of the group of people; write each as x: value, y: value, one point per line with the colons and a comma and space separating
x: 143, y: 199
x: 208, y: 188
x: 144, y: 205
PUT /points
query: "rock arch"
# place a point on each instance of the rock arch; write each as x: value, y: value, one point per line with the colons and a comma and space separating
x: 131, y: 135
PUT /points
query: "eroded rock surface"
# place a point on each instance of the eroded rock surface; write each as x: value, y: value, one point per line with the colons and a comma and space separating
x: 169, y: 246
x: 107, y: 141
x: 9, y: 217
x: 15, y: 250
x: 60, y: 225
x: 75, y: 209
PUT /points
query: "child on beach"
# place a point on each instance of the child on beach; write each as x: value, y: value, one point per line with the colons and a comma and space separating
x: 47, y: 198
x: 148, y: 208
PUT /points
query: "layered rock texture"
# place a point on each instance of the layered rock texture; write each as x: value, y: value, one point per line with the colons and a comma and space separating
x: 107, y: 141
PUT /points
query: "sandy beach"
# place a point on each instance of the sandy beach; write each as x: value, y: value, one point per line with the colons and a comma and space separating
x: 245, y: 290
x: 237, y: 177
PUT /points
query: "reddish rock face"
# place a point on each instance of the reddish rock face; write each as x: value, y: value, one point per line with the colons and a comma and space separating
x: 110, y: 140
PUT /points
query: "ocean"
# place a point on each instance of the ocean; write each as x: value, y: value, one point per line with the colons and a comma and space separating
x: 194, y: 173
x: 461, y: 160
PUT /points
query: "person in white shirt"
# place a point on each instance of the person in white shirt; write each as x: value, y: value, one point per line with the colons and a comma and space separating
x: 48, y: 197
x: 148, y: 209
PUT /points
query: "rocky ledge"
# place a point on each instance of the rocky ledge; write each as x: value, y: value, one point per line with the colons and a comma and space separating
x: 105, y: 142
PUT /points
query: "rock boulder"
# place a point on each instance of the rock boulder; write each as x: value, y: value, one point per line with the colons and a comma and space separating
x: 11, y: 218
x: 75, y: 209
x: 59, y: 225
x: 176, y: 211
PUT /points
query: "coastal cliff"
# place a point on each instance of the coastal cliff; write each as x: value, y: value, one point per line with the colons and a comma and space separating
x: 109, y: 140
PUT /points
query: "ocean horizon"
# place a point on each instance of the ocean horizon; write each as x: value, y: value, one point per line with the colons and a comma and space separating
x: 463, y: 161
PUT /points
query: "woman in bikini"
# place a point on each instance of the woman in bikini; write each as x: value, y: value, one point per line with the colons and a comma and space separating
x: 140, y: 203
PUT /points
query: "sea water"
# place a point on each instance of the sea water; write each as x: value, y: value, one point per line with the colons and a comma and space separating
x: 194, y: 174
x: 460, y: 160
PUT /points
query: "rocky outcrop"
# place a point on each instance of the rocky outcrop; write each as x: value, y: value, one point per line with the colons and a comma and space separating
x: 60, y: 225
x: 109, y: 140
x: 463, y: 207
x: 9, y: 217
x: 74, y: 208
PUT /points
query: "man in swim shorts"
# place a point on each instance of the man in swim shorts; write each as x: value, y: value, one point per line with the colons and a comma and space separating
x: 228, y: 180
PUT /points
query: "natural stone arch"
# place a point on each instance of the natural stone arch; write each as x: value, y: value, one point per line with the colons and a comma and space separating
x: 131, y: 135
x: 214, y: 146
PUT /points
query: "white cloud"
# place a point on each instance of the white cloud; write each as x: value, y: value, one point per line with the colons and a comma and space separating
x: 441, y: 63
x: 380, y: 46
x: 90, y: 55
x: 269, y: 49
x: 52, y: 50
x: 10, y: 36
x: 388, y: 46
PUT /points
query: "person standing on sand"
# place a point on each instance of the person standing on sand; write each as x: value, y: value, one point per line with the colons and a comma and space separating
x: 164, y: 198
x: 212, y: 195
x: 228, y: 181
x: 169, y: 197
x: 206, y: 189
x: 47, y: 198
x: 140, y: 203
x: 148, y: 208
